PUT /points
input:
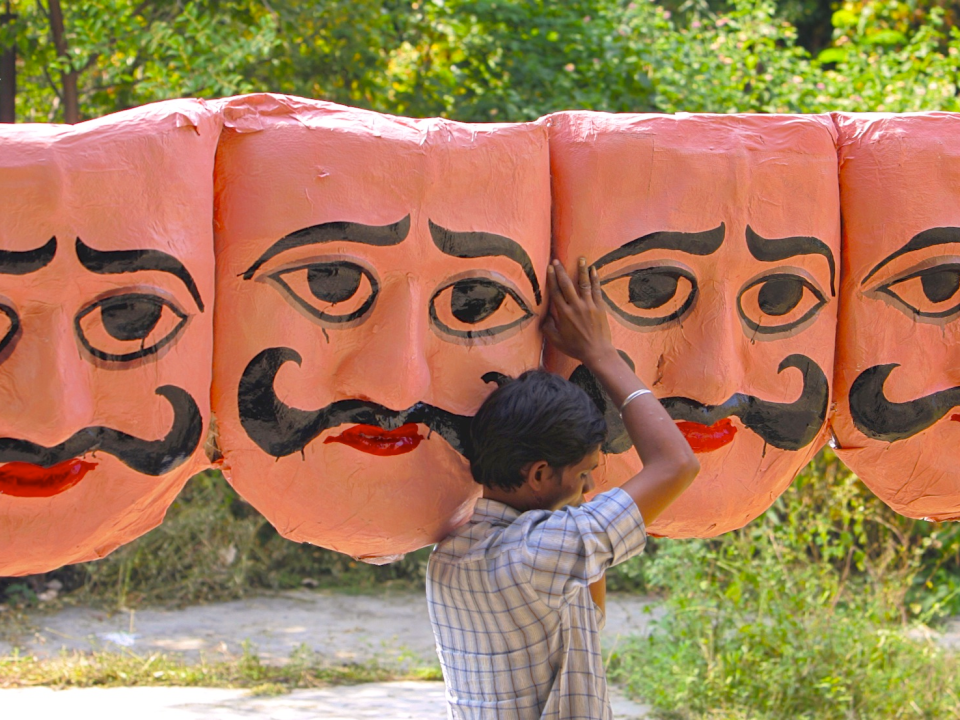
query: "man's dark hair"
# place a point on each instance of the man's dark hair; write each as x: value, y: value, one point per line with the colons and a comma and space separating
x: 538, y: 416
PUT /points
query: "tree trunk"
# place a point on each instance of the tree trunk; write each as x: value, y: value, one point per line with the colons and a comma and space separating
x: 71, y: 101
x: 8, y: 75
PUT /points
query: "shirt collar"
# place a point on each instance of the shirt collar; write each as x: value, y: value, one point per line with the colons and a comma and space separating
x: 487, y: 510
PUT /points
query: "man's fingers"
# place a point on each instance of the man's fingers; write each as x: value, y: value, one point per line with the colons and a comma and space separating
x: 552, y: 288
x: 595, y: 285
x: 566, y: 285
x: 583, y: 278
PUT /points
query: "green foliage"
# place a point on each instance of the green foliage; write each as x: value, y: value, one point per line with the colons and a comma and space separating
x: 19, y: 594
x: 504, y: 60
x: 213, y: 546
x: 745, y: 60
x: 749, y: 60
x: 510, y: 60
x: 803, y: 613
x: 338, y: 50
x: 129, y: 53
x: 878, y: 62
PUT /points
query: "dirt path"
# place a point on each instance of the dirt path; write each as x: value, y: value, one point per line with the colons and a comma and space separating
x: 392, y: 629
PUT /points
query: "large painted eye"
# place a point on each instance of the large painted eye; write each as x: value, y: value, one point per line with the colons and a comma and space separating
x: 933, y: 292
x: 779, y: 303
x: 9, y: 325
x: 121, y: 328
x: 477, y: 307
x: 335, y: 292
x: 651, y: 296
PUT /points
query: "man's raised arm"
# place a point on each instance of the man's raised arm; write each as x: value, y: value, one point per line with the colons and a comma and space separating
x: 577, y: 326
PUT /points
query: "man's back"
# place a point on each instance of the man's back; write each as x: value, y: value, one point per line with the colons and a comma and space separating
x: 516, y: 628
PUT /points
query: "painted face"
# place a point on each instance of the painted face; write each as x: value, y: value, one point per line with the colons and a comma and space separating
x: 377, y: 276
x: 715, y: 238
x: 106, y: 293
x: 897, y: 423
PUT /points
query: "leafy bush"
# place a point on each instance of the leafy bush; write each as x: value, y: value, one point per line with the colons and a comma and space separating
x: 815, y: 610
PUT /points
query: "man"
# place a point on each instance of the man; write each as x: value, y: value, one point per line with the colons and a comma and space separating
x: 516, y: 595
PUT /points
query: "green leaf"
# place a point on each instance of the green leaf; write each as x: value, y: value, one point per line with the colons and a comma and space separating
x: 843, y: 19
x: 832, y: 55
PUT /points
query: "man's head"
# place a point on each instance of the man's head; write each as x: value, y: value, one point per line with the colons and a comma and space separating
x: 106, y: 305
x: 377, y: 277
x: 898, y: 349
x: 716, y: 239
x: 538, y: 430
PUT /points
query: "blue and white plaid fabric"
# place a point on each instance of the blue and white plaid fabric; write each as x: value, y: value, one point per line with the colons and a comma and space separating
x: 516, y: 629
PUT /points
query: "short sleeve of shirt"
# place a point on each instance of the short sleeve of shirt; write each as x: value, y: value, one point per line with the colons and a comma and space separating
x: 570, y: 548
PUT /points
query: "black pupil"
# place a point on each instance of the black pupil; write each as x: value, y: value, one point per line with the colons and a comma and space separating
x: 778, y: 296
x: 334, y: 283
x: 131, y: 319
x: 475, y: 299
x: 940, y: 285
x: 652, y: 288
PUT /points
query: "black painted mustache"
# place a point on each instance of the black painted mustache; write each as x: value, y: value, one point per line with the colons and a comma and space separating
x: 878, y: 418
x: 787, y: 426
x: 281, y: 430
x: 150, y: 457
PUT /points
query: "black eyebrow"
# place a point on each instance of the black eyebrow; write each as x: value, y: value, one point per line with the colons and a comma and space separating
x: 923, y: 239
x: 484, y: 244
x: 773, y: 249
x: 705, y: 242
x: 13, y: 262
x: 337, y: 231
x: 114, y: 262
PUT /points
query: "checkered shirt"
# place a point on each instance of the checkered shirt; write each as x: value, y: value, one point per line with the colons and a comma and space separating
x: 516, y: 628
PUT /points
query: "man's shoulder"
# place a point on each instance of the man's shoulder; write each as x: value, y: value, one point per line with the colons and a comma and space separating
x: 478, y: 539
x: 488, y: 533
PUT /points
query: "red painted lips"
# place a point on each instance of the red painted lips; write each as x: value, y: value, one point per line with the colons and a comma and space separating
x: 377, y: 441
x: 706, y: 438
x: 20, y: 479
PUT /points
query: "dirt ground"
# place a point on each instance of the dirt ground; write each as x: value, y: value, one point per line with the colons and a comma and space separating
x: 392, y: 629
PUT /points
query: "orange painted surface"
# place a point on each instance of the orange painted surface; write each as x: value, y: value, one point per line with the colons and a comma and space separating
x: 101, y: 337
x: 669, y: 208
x: 348, y: 341
x: 900, y: 302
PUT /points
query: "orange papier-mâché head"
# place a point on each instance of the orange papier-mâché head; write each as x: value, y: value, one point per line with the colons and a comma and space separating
x: 716, y: 239
x: 897, y: 423
x: 106, y: 320
x: 377, y: 277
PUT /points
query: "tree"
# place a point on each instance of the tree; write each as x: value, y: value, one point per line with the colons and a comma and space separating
x: 749, y: 60
x: 338, y: 50
x: 8, y: 72
x: 510, y: 60
x: 105, y: 55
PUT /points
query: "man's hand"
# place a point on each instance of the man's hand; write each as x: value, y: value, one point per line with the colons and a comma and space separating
x: 577, y: 321
x: 577, y: 325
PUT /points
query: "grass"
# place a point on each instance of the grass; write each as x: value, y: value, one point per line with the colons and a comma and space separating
x: 304, y: 669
